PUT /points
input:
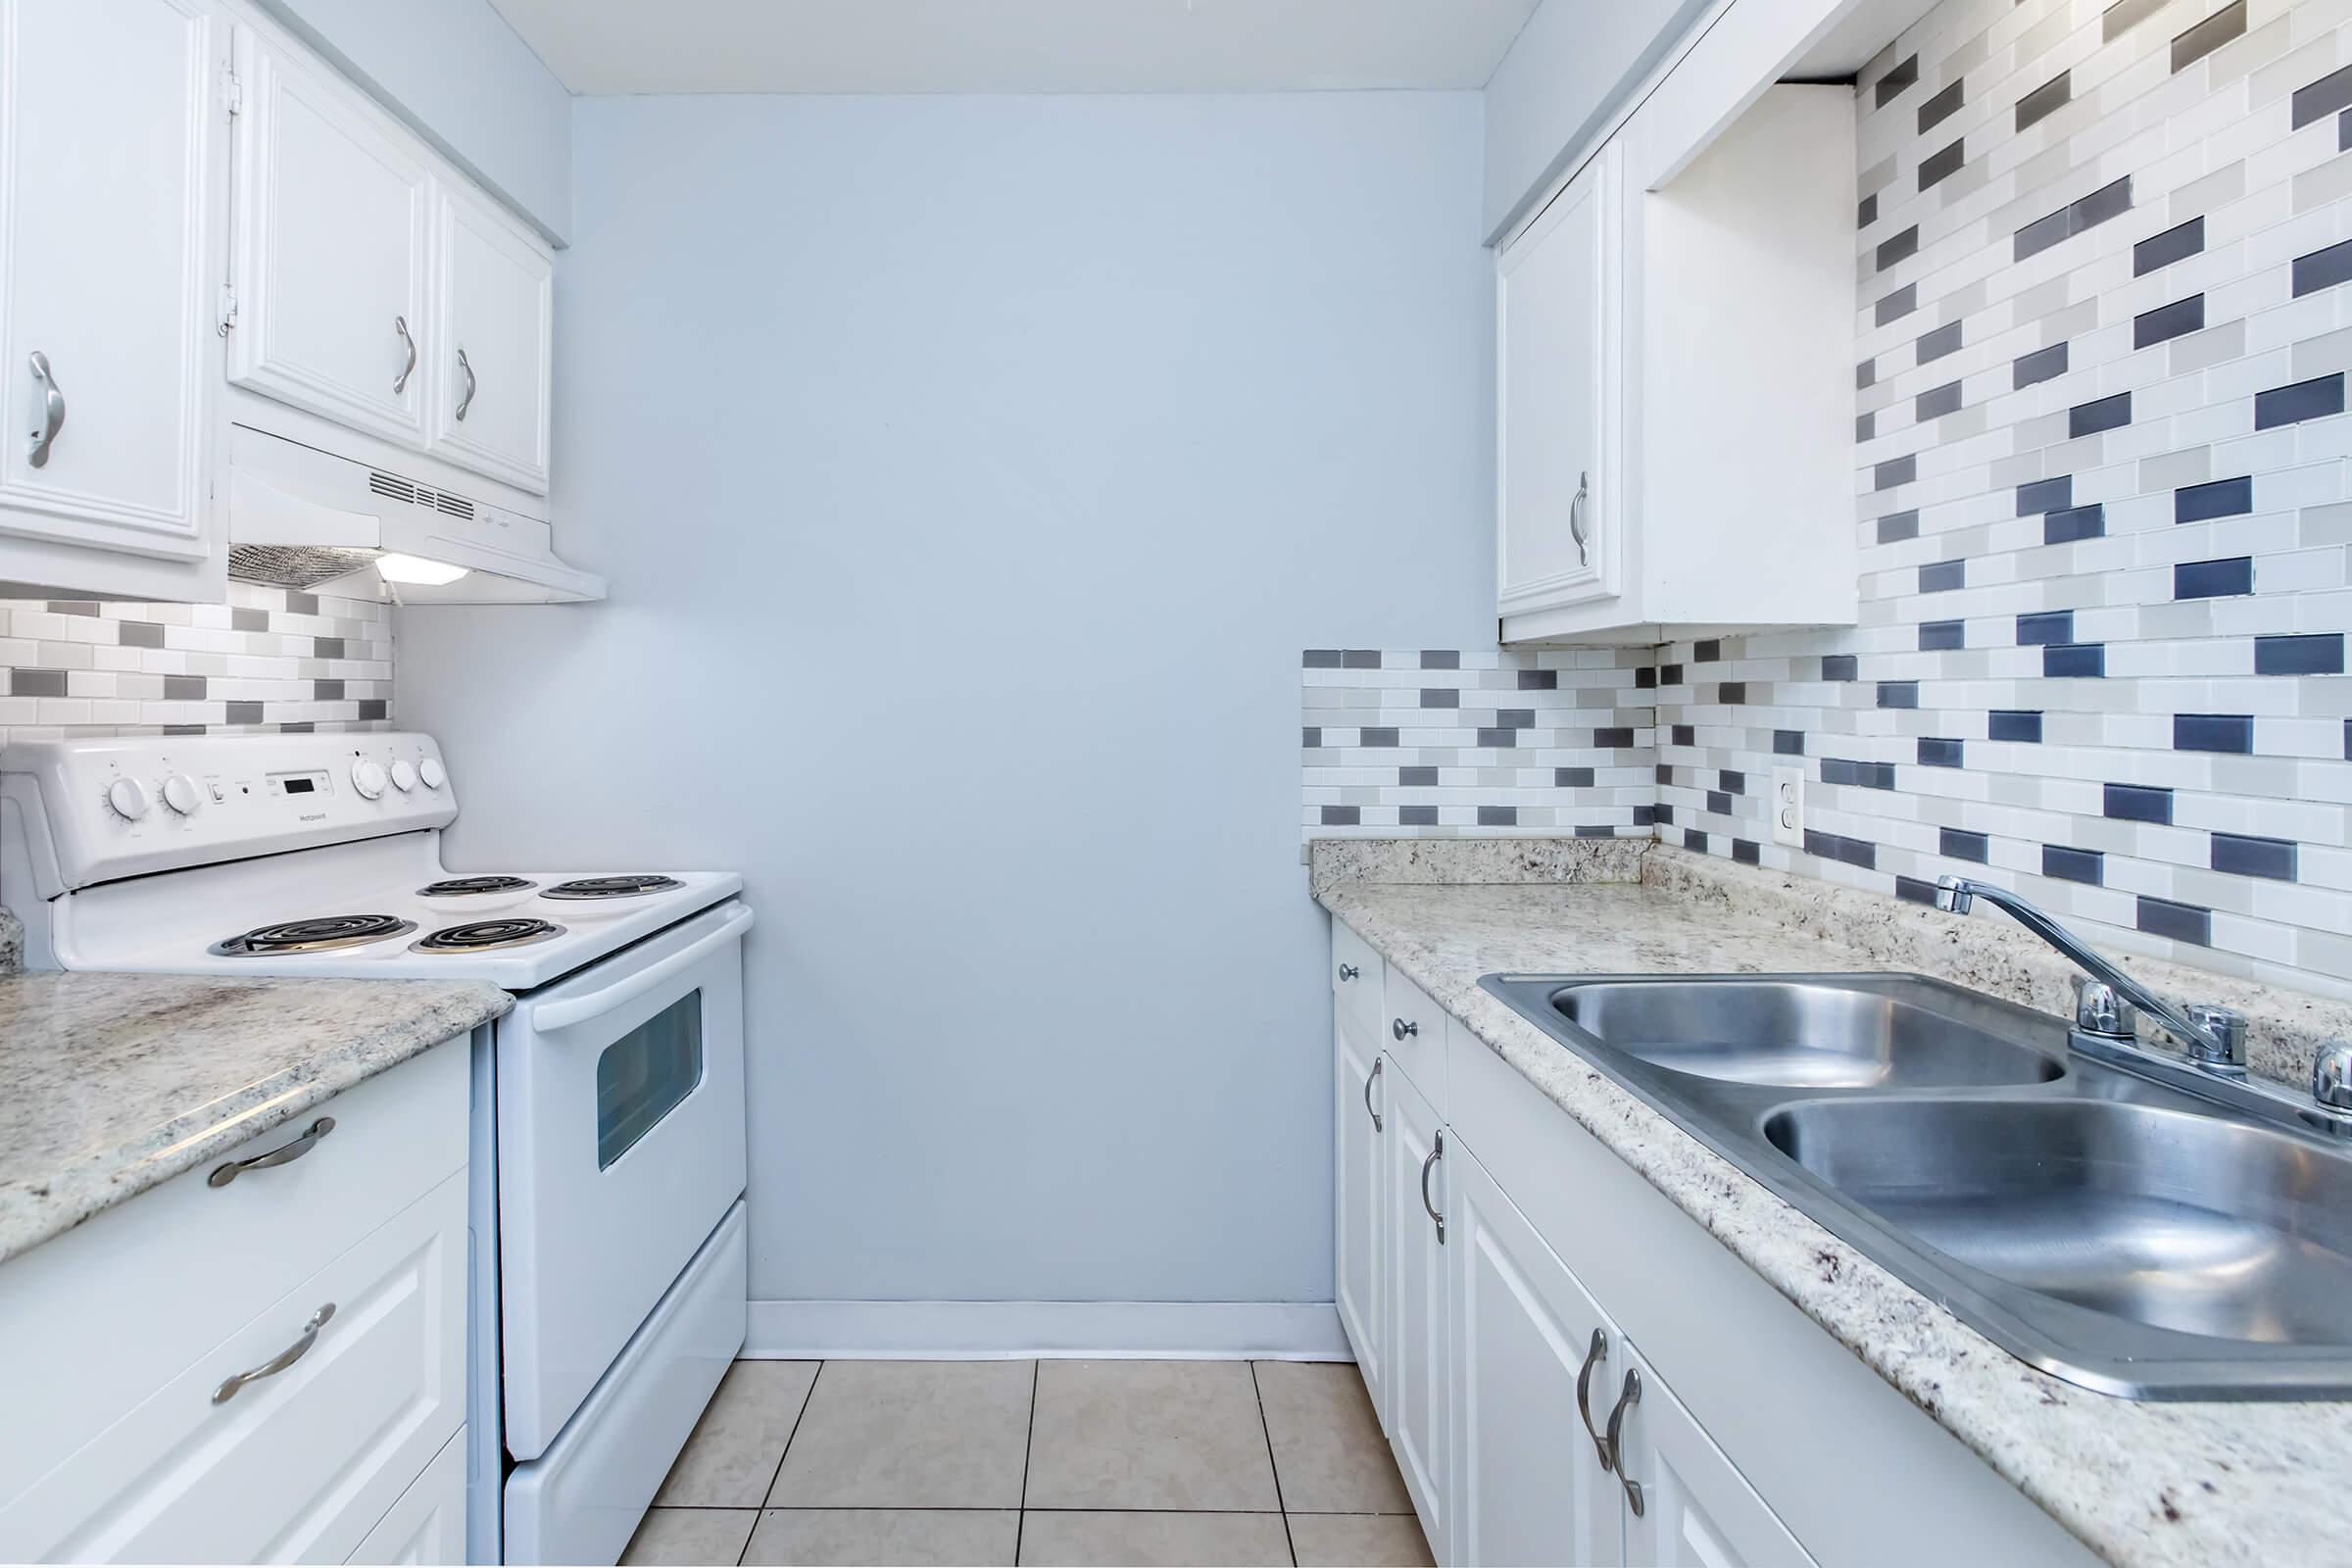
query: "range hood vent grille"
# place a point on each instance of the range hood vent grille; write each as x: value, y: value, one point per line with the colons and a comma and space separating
x: 391, y: 485
x: 295, y: 565
x: 455, y: 506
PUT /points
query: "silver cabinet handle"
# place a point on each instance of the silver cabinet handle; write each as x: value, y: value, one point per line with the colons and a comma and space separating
x: 466, y: 369
x: 277, y: 1363
x: 1631, y: 1395
x: 1399, y: 1028
x: 52, y: 411
x: 1348, y: 971
x: 1370, y: 1079
x: 400, y: 382
x: 1436, y: 1152
x: 283, y: 1154
x: 1597, y: 1353
x: 1576, y: 519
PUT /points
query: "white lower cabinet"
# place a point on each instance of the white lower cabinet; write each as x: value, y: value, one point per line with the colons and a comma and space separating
x: 1356, y: 1186
x: 1529, y: 1286
x: 1696, y: 1510
x: 1532, y: 1354
x: 1413, y: 1248
x: 264, y: 1359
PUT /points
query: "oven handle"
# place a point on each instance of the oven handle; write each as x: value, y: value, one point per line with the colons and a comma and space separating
x: 549, y: 1016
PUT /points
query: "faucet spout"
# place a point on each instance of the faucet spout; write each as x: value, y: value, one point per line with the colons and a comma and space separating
x: 2214, y: 1037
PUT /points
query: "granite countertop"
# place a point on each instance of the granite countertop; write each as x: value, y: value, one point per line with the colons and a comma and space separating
x: 2140, y: 1483
x: 111, y: 1084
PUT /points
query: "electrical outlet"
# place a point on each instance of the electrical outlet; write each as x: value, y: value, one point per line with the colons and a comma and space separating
x: 1788, y: 806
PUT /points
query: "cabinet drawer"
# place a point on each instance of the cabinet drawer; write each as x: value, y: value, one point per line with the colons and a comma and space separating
x: 1355, y: 981
x: 98, y: 1319
x: 296, y: 1464
x: 1412, y: 1031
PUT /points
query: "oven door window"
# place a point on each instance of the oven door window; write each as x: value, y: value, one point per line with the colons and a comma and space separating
x: 646, y: 1073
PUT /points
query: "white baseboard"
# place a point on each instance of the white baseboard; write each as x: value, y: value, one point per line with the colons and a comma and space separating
x: 985, y: 1331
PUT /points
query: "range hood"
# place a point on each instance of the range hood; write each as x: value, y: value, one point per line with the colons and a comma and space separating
x: 299, y: 518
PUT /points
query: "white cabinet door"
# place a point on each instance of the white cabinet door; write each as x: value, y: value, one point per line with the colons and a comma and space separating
x: 1559, y: 324
x: 492, y: 333
x: 1356, y: 1230
x: 337, y: 1414
x: 1695, y: 1509
x: 1415, y: 1272
x: 329, y: 249
x: 113, y: 178
x: 427, y: 1525
x: 1531, y: 1350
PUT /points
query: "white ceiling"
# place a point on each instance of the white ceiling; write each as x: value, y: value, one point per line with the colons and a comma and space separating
x: 939, y: 46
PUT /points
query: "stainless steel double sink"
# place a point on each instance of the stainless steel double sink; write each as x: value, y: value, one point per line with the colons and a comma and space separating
x: 2119, y: 1233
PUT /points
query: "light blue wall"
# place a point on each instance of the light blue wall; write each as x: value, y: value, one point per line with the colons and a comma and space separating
x: 458, y: 74
x: 1570, y: 66
x: 970, y: 474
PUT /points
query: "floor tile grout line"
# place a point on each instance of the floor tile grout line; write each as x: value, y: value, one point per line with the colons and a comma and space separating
x: 808, y: 1396
x: 1273, y: 1465
x: 1020, y: 1520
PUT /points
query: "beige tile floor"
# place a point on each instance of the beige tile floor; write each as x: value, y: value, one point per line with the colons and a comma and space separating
x: 1003, y: 1462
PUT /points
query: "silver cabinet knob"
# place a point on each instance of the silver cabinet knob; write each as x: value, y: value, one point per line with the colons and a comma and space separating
x: 1400, y: 1029
x: 1348, y: 971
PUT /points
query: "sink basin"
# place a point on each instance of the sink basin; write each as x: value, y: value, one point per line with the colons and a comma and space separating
x: 1827, y: 1033
x: 2144, y: 1234
x: 2170, y: 1219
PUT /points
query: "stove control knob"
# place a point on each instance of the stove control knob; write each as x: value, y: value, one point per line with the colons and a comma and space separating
x: 431, y: 771
x: 404, y: 775
x: 368, y: 777
x: 179, y: 794
x: 128, y: 798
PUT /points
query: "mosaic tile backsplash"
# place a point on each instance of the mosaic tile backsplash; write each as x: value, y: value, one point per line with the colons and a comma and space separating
x: 2104, y: 325
x: 268, y: 659
x: 1468, y: 741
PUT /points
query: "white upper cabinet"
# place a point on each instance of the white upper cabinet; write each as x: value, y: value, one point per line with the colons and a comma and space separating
x: 493, y: 328
x: 1558, y: 306
x: 1675, y: 360
x: 113, y: 182
x: 330, y: 258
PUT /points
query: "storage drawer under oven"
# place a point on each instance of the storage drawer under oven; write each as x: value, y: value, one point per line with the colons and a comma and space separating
x: 621, y: 1123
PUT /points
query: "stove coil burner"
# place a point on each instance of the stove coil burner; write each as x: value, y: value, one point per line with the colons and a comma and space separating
x: 612, y: 886
x: 325, y: 934
x: 482, y: 936
x: 462, y: 887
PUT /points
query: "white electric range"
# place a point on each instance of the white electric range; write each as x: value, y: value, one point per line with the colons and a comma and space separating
x: 610, y: 1250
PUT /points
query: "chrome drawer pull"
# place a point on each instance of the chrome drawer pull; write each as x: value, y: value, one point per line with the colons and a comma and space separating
x: 1576, y: 520
x: 1370, y: 1079
x: 277, y: 1363
x: 1631, y: 1397
x: 51, y: 401
x: 1436, y: 1152
x: 400, y: 382
x: 1594, y: 1356
x: 283, y: 1154
x: 466, y: 369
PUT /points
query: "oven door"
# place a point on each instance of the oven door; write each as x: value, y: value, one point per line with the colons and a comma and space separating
x: 620, y: 1144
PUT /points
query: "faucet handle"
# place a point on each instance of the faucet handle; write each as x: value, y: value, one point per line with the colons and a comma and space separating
x: 2098, y: 1010
x: 2226, y: 1027
x: 2331, y: 1075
